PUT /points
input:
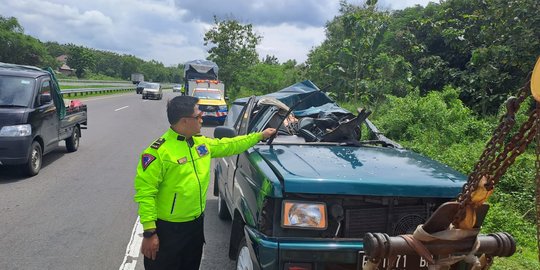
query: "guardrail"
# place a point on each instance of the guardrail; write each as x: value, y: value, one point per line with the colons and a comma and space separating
x: 93, y: 81
x: 90, y: 91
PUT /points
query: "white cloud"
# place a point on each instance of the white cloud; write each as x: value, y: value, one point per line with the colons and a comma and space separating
x: 172, y: 31
x: 286, y: 41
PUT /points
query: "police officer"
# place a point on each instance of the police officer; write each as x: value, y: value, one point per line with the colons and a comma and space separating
x: 171, y: 183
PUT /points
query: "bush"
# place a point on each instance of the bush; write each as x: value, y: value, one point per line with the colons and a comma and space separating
x: 438, y: 121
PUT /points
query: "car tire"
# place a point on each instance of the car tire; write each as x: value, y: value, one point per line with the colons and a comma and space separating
x: 223, y: 211
x: 72, y: 143
x: 35, y: 160
x: 243, y: 259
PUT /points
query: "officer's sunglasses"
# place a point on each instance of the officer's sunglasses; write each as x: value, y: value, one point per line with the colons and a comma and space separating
x: 198, y: 117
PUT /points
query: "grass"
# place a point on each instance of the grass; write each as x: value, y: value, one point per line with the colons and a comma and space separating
x: 68, y: 87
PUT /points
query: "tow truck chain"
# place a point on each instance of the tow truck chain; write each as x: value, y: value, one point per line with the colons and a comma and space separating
x: 498, y: 157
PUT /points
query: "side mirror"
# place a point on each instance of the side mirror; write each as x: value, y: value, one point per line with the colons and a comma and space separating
x: 44, y: 99
x: 226, y: 98
x: 224, y: 132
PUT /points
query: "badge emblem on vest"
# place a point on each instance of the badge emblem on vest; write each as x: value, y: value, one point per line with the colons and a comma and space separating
x: 182, y: 160
x: 146, y: 159
x: 202, y: 150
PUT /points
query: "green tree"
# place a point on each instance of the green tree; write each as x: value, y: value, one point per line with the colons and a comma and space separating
x: 81, y: 59
x: 55, y: 49
x: 107, y: 63
x: 354, y: 60
x: 18, y: 48
x: 232, y: 48
x: 271, y: 60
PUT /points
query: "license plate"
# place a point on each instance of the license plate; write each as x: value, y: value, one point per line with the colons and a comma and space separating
x: 402, y: 262
x: 209, y: 113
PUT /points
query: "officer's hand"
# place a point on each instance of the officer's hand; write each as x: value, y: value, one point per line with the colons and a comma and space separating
x: 150, y: 247
x: 268, y: 132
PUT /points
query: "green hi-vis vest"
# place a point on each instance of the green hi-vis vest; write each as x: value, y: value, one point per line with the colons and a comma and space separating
x: 172, y: 177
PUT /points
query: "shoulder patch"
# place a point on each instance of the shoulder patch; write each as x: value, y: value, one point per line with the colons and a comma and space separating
x: 202, y: 150
x: 157, y: 143
x: 146, y: 159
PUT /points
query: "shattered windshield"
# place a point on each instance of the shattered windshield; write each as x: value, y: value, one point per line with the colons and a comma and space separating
x: 16, y: 91
x: 304, y: 114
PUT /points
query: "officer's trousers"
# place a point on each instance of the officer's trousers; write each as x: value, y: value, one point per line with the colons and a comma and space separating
x: 180, y: 245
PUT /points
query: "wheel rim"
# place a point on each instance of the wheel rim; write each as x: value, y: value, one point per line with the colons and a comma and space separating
x: 244, y: 260
x: 36, y: 160
x: 76, y: 138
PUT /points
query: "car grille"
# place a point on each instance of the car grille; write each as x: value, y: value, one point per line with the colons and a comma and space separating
x: 391, y: 220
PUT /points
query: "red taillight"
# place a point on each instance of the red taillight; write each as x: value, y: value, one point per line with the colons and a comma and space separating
x: 298, y: 266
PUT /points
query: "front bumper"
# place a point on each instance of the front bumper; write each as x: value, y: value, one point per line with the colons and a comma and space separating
x: 151, y: 94
x: 218, y: 116
x: 273, y: 253
x: 14, y: 150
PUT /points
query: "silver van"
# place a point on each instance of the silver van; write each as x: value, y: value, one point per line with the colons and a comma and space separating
x: 152, y: 90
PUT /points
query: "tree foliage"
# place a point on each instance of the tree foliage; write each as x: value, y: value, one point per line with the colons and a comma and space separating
x: 18, y: 48
x: 485, y: 48
x: 81, y: 59
x: 232, y: 46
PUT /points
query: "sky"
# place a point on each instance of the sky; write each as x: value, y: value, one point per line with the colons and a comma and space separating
x: 172, y: 31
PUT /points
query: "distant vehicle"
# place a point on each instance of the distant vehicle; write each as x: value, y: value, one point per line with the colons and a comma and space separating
x: 212, y: 104
x: 200, y: 76
x: 34, y: 117
x: 137, y: 78
x: 177, y: 88
x: 140, y: 87
x: 152, y: 90
x: 199, y: 70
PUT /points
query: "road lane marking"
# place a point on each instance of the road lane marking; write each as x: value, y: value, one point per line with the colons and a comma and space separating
x: 133, y: 248
x: 121, y: 108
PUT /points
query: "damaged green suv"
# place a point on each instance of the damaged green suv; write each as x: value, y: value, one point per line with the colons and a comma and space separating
x: 306, y: 198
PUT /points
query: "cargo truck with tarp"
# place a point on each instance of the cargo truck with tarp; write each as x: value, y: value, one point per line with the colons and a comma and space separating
x: 201, y: 81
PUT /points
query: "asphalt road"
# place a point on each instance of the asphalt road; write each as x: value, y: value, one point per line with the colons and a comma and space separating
x: 78, y: 212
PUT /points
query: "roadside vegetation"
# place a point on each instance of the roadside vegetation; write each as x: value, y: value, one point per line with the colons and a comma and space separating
x: 435, y: 77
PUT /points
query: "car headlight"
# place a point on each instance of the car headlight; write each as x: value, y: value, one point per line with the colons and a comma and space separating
x: 306, y: 215
x: 16, y: 131
x: 223, y: 107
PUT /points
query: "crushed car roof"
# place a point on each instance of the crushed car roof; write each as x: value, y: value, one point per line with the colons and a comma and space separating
x: 313, y: 104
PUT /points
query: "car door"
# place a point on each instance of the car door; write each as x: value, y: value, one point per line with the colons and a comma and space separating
x: 47, y: 113
x: 241, y: 126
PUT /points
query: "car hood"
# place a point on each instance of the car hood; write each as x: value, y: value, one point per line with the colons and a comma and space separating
x: 375, y: 171
x: 216, y: 102
x: 12, y: 116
